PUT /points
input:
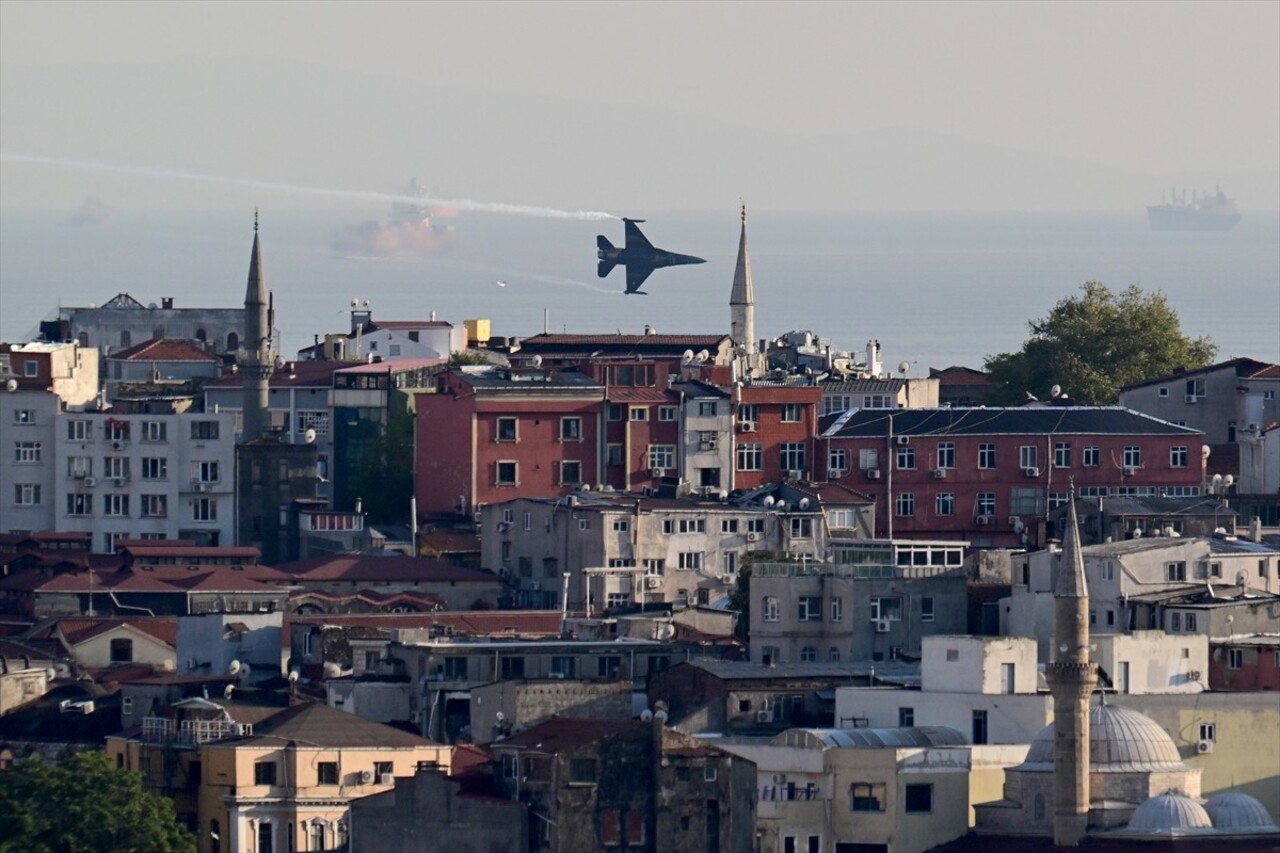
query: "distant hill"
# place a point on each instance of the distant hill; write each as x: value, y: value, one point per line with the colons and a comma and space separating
x: 299, y: 124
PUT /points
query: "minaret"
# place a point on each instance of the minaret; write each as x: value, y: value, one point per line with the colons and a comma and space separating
x: 742, y: 302
x: 1071, y: 679
x: 256, y: 358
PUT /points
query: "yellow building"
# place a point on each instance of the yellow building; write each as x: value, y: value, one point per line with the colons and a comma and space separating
x: 275, y: 786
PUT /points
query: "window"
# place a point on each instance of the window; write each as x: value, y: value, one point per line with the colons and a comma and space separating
x: 1208, y: 731
x: 206, y: 472
x: 771, y: 611
x: 116, y: 467
x: 801, y: 528
x: 1058, y: 499
x: 266, y: 838
x: 684, y: 525
x: 654, y: 568
x: 690, y: 560
x: 728, y: 525
x: 204, y: 430
x: 662, y: 456
x: 621, y: 525
x: 1262, y: 567
x: 906, y: 718
x: 1163, y: 392
x: 455, y: 668
x: 582, y: 771
x: 1107, y: 570
x: 1027, y: 456
x: 639, y: 413
x: 926, y: 608
x: 571, y: 429
x: 833, y: 403
x: 810, y: 608
x: 755, y: 525
x: 837, y: 608
x: 808, y: 654
x: 154, y: 430
x: 79, y: 504
x: 791, y: 413
x: 79, y: 467
x: 1235, y: 658
x: 668, y: 413
x: 946, y: 454
x: 79, y: 430
x: 204, y: 509
x: 317, y: 420
x: 986, y: 456
x: 26, y: 451
x: 905, y: 505
x: 793, y: 456
x: 584, y: 524
x: 1175, y: 571
x: 609, y: 666
x: 906, y: 460
x: 327, y: 773
x: 614, y: 452
x: 706, y: 409
x: 868, y: 459
x: 1092, y: 457
x: 1132, y: 456
x: 1190, y: 623
x: 264, y: 773
x: 513, y: 667
x: 115, y: 505
x: 1062, y: 454
x: 945, y: 503
x: 1195, y: 390
x: 121, y: 650
x: 564, y: 666
x: 866, y: 797
x: 750, y: 457
x: 919, y: 799
x: 979, y: 727
x: 570, y: 472
x: 748, y: 414
x: 1178, y: 457
x: 886, y: 608
x: 26, y: 494
x: 877, y: 401
x: 155, y: 468
x: 505, y: 473
x: 837, y: 462
x: 24, y: 416
x: 507, y: 430
x: 986, y: 504
x: 615, y: 412
x: 1215, y: 570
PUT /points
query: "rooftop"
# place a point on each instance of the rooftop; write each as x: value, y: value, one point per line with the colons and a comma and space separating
x: 940, y: 423
x: 315, y: 724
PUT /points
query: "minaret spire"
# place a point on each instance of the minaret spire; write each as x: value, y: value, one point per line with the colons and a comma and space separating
x: 742, y: 301
x: 1071, y: 678
x: 256, y: 358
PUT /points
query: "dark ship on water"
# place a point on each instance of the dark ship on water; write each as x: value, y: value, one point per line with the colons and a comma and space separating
x: 410, y: 230
x: 1204, y: 212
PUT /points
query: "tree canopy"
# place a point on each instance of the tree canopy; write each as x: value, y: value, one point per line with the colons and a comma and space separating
x: 1093, y: 344
x: 384, y: 478
x: 84, y: 805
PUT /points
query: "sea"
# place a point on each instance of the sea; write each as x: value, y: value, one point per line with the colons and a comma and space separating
x: 935, y: 289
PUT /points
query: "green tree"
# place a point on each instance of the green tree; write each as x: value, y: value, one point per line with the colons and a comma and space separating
x: 1094, y: 344
x: 384, y: 480
x: 462, y: 358
x: 84, y: 805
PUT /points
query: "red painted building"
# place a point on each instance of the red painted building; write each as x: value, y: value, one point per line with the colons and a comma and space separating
x: 774, y: 426
x: 493, y: 435
x: 991, y: 476
x: 1245, y: 663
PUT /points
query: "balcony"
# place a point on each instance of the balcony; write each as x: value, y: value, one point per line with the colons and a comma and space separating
x: 191, y: 732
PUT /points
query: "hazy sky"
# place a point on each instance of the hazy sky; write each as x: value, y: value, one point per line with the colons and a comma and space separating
x: 1146, y: 86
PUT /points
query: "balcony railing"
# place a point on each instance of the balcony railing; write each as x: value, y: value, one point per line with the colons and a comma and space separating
x: 194, y: 732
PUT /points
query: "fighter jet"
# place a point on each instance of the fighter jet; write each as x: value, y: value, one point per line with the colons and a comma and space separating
x: 638, y: 255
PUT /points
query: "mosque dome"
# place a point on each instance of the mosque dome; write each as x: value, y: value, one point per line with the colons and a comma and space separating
x: 1168, y: 812
x: 1120, y: 740
x: 1233, y: 810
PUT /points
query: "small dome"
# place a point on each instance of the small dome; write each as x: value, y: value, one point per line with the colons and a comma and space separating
x: 1233, y: 810
x: 1167, y: 812
x: 1120, y: 739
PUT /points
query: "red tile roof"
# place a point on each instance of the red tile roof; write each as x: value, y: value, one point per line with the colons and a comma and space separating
x: 358, y: 567
x: 79, y: 630
x: 528, y: 624
x: 188, y: 551
x: 165, y: 349
x: 299, y: 373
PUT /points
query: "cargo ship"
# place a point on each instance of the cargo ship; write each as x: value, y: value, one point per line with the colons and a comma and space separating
x: 410, y: 229
x: 1204, y: 212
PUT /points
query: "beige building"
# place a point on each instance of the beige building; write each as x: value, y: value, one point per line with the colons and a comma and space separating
x: 825, y: 790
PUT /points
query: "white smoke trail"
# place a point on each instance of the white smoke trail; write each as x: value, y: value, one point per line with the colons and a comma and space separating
x: 355, y: 195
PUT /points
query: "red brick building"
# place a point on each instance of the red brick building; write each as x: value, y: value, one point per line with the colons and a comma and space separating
x: 774, y: 428
x: 1245, y: 663
x: 991, y: 476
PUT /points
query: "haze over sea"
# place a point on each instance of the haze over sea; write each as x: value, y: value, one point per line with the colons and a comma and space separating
x: 934, y: 289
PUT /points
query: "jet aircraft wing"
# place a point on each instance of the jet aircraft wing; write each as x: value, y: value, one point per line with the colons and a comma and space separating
x: 636, y: 274
x: 635, y: 239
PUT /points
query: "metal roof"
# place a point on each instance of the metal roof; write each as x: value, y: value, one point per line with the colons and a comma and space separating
x: 1058, y: 420
x: 918, y: 736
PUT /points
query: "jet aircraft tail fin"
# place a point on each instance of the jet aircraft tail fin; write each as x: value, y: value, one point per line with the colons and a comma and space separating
x: 605, y: 267
x: 603, y: 244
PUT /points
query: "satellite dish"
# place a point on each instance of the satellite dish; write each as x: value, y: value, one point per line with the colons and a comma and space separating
x: 244, y: 671
x: 1018, y: 526
x: 499, y: 716
x: 724, y: 494
x: 1062, y: 648
x: 294, y: 675
x: 1204, y: 451
x: 309, y: 436
x: 1055, y: 391
x: 646, y: 715
x: 11, y: 385
x: 660, y: 716
x: 586, y: 487
x: 781, y: 506
x: 768, y: 500
x: 1217, y: 480
x: 804, y: 503
x: 1228, y: 480
x: 703, y: 355
x: 233, y: 668
x: 228, y: 690
x: 332, y: 670
x: 666, y: 632
x: 687, y: 357
x: 355, y: 303
x: 903, y: 367
x: 50, y: 674
x: 537, y: 361
x: 62, y: 670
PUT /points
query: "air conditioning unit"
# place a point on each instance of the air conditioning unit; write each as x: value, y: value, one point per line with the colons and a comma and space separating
x: 940, y: 474
x: 504, y: 526
x: 366, y: 776
x: 903, y: 440
x: 795, y: 475
x: 1204, y: 747
x: 706, y: 445
x: 653, y: 582
x: 117, y: 445
x: 658, y: 473
x: 835, y: 472
x: 1191, y: 398
x: 753, y: 537
x: 386, y: 779
x: 764, y: 716
x: 882, y: 626
x: 873, y: 473
x: 118, y: 481
x: 202, y: 487
x: 1129, y: 472
x: 90, y: 481
x: 982, y: 520
x: 747, y: 426
x: 1031, y: 472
